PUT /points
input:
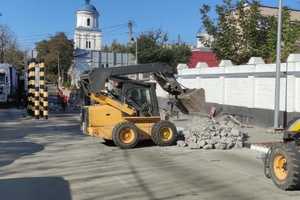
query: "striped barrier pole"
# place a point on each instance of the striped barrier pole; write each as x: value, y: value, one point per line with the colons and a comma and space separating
x: 37, y: 92
x: 45, y: 103
x: 31, y: 86
x: 43, y: 92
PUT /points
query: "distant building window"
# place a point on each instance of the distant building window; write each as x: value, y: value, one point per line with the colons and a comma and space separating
x: 88, y: 22
x: 88, y: 44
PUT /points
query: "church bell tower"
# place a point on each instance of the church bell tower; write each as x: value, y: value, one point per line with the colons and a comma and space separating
x: 88, y: 35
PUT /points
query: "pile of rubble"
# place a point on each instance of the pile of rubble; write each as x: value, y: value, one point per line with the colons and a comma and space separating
x: 222, y: 134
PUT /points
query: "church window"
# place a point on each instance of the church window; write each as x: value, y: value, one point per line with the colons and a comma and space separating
x: 88, y: 22
x: 88, y: 44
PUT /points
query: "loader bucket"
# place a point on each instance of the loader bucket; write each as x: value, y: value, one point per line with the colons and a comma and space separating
x: 191, y: 101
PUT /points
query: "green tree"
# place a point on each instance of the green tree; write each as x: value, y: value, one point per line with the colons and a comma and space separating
x: 117, y: 47
x: 290, y: 36
x: 56, y: 50
x: 241, y: 32
x: 153, y: 47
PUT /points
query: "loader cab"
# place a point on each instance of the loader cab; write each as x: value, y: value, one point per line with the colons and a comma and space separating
x: 141, y: 96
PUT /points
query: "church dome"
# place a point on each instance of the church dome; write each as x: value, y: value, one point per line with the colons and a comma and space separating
x: 89, y: 8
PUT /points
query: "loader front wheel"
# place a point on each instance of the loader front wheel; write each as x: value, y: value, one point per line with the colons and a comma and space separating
x: 164, y: 133
x: 285, y: 166
x: 125, y: 135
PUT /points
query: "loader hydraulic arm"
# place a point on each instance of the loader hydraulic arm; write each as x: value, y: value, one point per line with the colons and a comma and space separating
x: 164, y: 75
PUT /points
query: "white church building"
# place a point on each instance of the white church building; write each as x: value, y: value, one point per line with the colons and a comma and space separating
x: 88, y: 52
x: 88, y: 35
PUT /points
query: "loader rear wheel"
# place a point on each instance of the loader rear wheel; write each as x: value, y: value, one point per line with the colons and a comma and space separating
x: 285, y: 166
x: 164, y: 133
x: 125, y: 135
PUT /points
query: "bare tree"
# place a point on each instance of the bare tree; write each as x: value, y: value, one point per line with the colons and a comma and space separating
x: 6, y: 40
x: 9, y: 50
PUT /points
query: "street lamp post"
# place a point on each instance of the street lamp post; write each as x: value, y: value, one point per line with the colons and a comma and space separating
x: 278, y: 68
x: 136, y: 52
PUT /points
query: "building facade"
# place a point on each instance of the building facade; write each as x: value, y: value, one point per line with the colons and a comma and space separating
x: 273, y: 11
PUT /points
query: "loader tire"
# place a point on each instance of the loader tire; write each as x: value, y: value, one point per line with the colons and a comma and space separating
x: 285, y: 166
x: 125, y: 135
x: 164, y: 133
x: 267, y: 165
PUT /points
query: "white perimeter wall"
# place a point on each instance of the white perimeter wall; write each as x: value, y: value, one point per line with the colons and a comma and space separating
x: 251, y: 86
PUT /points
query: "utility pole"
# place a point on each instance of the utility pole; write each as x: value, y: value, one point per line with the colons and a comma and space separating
x: 178, y: 39
x: 136, y: 52
x: 130, y: 31
x: 278, y: 68
x: 132, y: 39
x: 58, y: 70
x: 32, y: 54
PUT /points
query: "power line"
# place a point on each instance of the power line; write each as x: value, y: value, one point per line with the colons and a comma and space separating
x: 114, y: 26
x: 110, y: 29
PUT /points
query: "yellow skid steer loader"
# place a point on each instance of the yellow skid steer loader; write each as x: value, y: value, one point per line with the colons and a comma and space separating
x: 126, y: 111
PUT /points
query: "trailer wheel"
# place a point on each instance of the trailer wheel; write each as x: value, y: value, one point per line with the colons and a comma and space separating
x: 285, y: 166
x: 164, y: 133
x: 125, y: 135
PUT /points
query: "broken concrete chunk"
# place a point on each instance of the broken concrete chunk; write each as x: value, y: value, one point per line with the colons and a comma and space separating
x: 181, y: 143
x: 221, y: 146
x: 235, y: 132
x: 202, y: 143
x: 208, y: 146
x: 194, y: 146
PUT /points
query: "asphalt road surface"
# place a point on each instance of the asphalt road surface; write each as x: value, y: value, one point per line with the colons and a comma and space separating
x: 41, y: 160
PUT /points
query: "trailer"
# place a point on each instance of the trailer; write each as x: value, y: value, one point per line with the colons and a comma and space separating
x: 8, y: 83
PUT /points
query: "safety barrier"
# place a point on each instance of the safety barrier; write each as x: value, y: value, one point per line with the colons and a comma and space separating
x: 37, y: 91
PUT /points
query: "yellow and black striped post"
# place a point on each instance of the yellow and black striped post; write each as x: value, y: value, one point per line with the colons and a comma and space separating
x: 31, y: 88
x: 37, y: 92
x: 37, y: 103
x: 43, y: 93
x: 45, y: 104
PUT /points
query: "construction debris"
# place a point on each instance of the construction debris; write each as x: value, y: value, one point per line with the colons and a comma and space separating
x: 222, y: 134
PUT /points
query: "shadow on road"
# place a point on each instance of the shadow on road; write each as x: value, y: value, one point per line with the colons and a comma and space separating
x: 11, y: 151
x: 14, y: 135
x: 13, y: 114
x: 138, y: 178
x: 41, y: 188
x: 141, y: 144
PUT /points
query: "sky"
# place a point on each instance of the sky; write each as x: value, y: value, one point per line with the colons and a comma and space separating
x: 35, y: 20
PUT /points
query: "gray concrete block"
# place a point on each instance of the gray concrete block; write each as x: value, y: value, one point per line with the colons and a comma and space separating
x: 208, y: 146
x: 181, y: 143
x: 194, y: 146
